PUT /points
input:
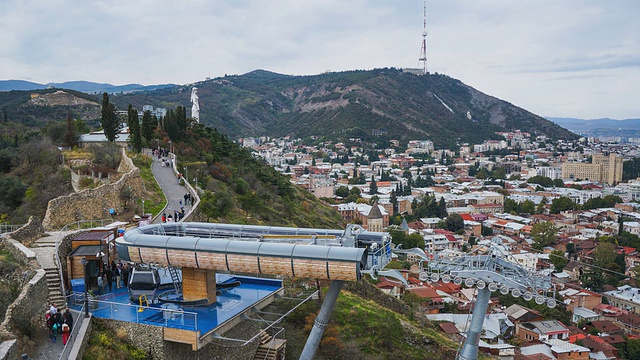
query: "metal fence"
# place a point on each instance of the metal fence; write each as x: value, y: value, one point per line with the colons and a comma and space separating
x: 77, y: 324
x: 7, y: 228
x: 166, y: 316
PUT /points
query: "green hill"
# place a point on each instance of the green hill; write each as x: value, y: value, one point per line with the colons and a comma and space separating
x: 374, y: 105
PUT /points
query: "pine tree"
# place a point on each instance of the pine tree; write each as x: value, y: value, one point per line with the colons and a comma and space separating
x: 70, y: 137
x: 109, y: 119
x: 373, y: 188
x: 135, y: 137
x: 147, y: 127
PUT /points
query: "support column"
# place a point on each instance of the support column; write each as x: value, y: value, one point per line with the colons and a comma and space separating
x: 198, y: 284
x: 322, y: 320
x: 470, y: 349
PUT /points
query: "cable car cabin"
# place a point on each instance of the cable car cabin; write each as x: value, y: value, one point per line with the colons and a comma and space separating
x: 144, y: 281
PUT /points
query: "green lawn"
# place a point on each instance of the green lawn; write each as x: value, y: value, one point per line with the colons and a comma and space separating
x: 154, y: 199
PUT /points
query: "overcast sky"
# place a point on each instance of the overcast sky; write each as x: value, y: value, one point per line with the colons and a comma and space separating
x: 569, y: 58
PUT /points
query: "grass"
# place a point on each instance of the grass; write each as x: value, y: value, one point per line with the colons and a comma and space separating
x: 154, y: 199
x: 104, y: 344
x: 78, y: 154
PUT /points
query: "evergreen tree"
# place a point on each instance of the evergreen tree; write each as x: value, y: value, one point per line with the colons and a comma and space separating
x: 109, y: 119
x: 70, y: 136
x: 442, y: 207
x: 135, y: 137
x: 147, y: 127
x: 394, y: 201
x: 373, y: 188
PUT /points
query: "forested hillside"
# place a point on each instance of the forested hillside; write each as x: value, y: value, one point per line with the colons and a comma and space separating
x: 374, y: 105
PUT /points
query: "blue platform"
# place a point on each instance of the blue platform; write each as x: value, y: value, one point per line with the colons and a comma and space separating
x: 232, y: 302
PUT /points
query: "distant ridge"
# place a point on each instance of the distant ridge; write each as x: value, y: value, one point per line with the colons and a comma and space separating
x: 377, y: 105
x: 580, y: 125
x: 82, y: 86
x: 20, y: 85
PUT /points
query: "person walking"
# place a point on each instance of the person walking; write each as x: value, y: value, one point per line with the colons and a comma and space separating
x: 109, y: 274
x: 67, y: 318
x: 125, y: 274
x: 101, y: 284
x: 118, y: 276
x: 66, y: 333
x: 57, y: 318
x: 49, y: 322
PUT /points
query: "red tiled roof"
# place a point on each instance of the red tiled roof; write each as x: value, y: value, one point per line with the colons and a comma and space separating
x: 574, y: 338
x: 466, y: 217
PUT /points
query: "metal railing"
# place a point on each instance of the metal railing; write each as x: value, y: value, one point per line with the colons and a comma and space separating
x: 8, y: 228
x: 167, y: 317
x: 77, y: 324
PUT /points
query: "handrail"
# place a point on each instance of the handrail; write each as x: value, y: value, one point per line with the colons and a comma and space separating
x: 9, y: 228
x: 189, y: 187
x: 74, y: 334
x: 102, y: 304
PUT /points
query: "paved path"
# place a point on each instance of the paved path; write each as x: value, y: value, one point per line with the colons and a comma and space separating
x: 172, y: 190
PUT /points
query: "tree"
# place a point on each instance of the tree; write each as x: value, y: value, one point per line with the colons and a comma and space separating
x: 528, y: 207
x: 562, y: 203
x: 633, y: 349
x: 373, y: 188
x: 558, y: 260
x: 342, y: 191
x: 147, y: 127
x: 454, y: 222
x: 543, y: 234
x: 109, y: 119
x: 135, y: 137
x: 70, y: 135
x: 499, y: 173
x: 12, y: 191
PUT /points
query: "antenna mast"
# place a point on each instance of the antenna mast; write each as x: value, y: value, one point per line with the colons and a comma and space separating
x: 423, y: 51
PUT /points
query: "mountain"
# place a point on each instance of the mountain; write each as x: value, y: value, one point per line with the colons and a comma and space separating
x: 37, y: 107
x: 579, y: 125
x: 8, y: 85
x: 83, y: 86
x: 376, y: 105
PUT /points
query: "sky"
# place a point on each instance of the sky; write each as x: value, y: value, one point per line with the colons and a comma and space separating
x: 569, y: 58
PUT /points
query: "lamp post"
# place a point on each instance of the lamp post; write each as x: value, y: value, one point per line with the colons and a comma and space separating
x: 143, y: 208
x: 84, y: 263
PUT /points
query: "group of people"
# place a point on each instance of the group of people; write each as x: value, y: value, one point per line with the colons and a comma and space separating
x: 118, y: 273
x: 175, y: 217
x: 59, y: 323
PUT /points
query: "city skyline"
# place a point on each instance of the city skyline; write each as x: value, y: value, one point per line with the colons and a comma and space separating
x: 568, y: 59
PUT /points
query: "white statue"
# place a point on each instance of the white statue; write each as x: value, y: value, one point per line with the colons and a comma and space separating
x: 195, y: 108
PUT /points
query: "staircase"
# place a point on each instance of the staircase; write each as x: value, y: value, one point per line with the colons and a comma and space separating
x: 53, y: 285
x: 267, y: 350
x: 45, y: 249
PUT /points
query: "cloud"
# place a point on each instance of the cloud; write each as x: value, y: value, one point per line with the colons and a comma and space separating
x: 510, y: 49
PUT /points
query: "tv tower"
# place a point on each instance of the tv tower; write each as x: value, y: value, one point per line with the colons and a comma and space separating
x: 423, y: 52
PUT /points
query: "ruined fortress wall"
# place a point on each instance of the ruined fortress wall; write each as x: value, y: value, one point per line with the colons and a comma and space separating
x: 29, y: 232
x: 94, y: 203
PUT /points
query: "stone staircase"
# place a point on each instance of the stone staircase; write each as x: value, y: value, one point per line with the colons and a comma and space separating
x: 53, y: 285
x: 267, y: 350
x: 45, y: 252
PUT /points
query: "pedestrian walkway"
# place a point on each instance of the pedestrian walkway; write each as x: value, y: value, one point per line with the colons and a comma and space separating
x: 173, y: 191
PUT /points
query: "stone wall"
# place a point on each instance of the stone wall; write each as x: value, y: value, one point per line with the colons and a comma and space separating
x: 94, y: 203
x: 29, y: 232
x: 150, y: 339
x: 21, y: 252
x: 9, y: 350
x: 26, y: 313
